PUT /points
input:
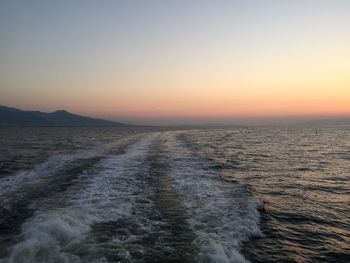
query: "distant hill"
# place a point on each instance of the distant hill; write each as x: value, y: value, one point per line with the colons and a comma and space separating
x: 16, y: 117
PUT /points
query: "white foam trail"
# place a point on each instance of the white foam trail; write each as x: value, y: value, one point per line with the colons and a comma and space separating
x: 50, y: 236
x: 14, y: 183
x: 222, y: 215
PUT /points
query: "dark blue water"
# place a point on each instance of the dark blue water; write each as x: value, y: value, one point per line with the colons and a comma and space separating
x: 147, y: 195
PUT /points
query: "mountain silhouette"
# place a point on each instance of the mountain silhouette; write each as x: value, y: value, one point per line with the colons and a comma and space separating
x: 16, y: 117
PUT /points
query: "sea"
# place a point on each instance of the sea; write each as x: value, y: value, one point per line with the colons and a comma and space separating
x: 240, y: 194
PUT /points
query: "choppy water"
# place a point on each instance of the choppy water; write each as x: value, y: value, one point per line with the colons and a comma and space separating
x: 137, y: 195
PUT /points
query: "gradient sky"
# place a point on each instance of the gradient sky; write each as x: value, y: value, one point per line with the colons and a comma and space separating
x: 151, y: 61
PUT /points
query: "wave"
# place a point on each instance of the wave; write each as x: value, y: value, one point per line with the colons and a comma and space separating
x: 16, y: 184
x: 53, y: 235
x: 222, y: 215
x: 155, y: 201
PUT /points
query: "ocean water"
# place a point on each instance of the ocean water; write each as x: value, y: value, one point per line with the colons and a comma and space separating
x: 152, y: 195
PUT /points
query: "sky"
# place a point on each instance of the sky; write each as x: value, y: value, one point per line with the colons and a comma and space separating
x: 180, y: 61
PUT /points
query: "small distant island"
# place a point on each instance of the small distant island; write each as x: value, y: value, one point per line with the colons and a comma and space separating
x: 14, y: 117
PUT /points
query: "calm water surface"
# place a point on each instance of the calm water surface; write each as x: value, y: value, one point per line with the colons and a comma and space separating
x: 147, y: 195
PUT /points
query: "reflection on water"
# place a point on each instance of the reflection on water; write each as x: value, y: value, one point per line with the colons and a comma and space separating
x: 303, y: 179
x: 146, y: 195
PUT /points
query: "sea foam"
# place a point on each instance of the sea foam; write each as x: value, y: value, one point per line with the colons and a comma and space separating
x: 223, y: 215
x: 51, y: 236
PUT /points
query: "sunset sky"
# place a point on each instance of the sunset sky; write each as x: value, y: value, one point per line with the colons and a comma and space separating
x: 175, y: 61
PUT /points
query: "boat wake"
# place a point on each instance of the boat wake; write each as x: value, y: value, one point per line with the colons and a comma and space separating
x: 152, y: 201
